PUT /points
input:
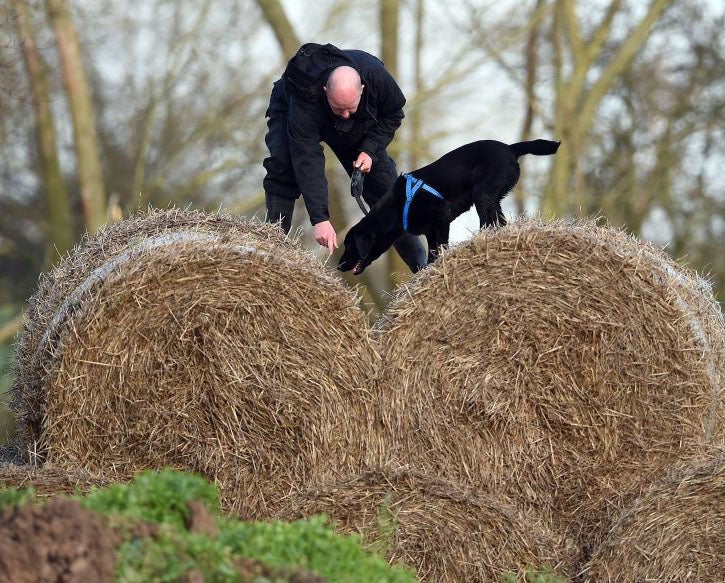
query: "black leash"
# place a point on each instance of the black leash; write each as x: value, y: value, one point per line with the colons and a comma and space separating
x: 356, y: 188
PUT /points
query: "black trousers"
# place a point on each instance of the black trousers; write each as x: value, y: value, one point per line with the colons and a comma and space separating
x: 281, y: 190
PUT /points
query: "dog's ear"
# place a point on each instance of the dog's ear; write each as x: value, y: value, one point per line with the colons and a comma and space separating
x: 358, y: 243
x: 364, y: 243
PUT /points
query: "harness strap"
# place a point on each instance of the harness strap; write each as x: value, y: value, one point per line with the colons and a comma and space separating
x: 412, y: 186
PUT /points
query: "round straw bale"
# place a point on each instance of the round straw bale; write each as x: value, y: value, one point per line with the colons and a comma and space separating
x: 229, y: 353
x: 435, y: 526
x: 674, y: 532
x: 49, y: 302
x: 564, y: 365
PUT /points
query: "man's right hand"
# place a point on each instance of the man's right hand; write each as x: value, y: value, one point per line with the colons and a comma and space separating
x: 325, y: 235
x: 363, y: 163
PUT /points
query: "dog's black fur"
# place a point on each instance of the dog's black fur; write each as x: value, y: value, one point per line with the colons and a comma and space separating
x: 481, y: 173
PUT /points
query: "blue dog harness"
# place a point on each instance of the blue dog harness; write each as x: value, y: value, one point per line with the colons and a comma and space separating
x: 412, y: 186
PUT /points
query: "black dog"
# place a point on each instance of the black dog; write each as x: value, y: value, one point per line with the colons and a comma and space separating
x: 427, y: 200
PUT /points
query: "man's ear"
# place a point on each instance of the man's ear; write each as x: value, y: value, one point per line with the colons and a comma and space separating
x: 364, y: 243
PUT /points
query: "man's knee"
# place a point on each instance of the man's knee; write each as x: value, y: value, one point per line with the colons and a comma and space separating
x: 280, y: 178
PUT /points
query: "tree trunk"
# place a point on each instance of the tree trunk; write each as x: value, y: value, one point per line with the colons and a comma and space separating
x: 389, y: 11
x: 93, y: 196
x: 60, y: 236
x: 532, y: 64
x: 389, y: 21
x: 275, y: 15
x: 415, y: 120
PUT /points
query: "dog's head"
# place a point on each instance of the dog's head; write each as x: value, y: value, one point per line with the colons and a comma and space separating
x: 358, y: 244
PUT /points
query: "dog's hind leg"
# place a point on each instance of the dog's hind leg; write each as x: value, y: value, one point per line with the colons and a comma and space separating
x: 487, y: 199
x: 489, y: 213
x: 500, y: 218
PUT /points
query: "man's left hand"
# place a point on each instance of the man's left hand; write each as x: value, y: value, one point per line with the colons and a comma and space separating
x: 363, y: 163
x: 325, y: 235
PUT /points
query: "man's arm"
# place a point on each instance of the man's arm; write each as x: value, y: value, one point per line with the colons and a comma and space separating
x: 308, y: 159
x: 390, y: 102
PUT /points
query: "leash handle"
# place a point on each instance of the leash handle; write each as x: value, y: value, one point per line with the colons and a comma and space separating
x: 356, y: 188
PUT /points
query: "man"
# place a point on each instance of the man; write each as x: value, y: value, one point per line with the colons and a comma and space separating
x: 354, y: 106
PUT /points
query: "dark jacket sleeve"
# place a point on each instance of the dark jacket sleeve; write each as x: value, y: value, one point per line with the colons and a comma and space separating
x: 390, y: 101
x: 308, y: 159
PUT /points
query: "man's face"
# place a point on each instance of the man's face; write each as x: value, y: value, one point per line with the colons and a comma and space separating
x: 344, y: 102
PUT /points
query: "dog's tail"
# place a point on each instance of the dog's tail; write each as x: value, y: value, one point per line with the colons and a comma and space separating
x: 536, y: 147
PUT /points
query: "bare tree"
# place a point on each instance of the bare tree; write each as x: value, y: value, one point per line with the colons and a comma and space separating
x: 415, y: 118
x: 185, y: 127
x: 658, y: 145
x: 634, y: 91
x: 585, y: 70
x: 389, y: 25
x: 92, y: 189
x: 60, y: 235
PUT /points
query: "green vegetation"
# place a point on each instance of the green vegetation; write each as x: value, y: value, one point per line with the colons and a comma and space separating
x: 6, y: 359
x: 269, y: 551
x: 534, y: 575
x: 170, y: 554
x: 380, y: 537
x: 12, y: 497
x: 313, y: 546
x: 156, y: 497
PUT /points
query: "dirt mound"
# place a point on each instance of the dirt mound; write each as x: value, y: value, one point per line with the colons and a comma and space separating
x: 62, y: 541
x: 59, y: 541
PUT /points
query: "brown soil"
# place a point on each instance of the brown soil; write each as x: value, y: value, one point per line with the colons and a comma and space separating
x: 60, y: 541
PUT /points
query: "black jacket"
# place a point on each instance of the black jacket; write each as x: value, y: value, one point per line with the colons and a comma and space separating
x: 369, y: 130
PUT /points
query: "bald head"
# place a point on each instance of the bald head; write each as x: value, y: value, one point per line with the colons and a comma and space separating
x: 343, y: 90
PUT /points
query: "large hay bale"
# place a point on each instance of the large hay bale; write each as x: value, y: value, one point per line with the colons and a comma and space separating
x: 219, y: 348
x: 50, y: 304
x: 673, y: 532
x: 564, y: 365
x: 443, y: 531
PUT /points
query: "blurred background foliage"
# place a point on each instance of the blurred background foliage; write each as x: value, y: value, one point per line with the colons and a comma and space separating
x: 108, y: 107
